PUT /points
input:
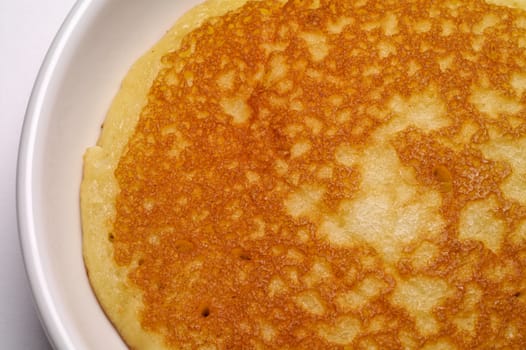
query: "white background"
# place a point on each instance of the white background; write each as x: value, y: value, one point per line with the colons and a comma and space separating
x: 27, y: 28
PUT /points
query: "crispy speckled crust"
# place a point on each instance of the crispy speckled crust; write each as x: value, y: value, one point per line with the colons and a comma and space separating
x: 314, y: 174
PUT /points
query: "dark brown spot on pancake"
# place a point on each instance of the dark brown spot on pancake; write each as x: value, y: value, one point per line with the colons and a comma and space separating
x: 205, y: 312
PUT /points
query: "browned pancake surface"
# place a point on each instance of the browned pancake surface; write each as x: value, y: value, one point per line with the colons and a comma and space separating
x: 328, y: 173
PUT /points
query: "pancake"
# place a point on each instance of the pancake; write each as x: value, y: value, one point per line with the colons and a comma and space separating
x: 317, y: 174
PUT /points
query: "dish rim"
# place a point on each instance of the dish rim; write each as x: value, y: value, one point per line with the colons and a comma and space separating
x: 46, y: 307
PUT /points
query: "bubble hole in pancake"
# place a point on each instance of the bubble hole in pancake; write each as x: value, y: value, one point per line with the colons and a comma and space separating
x: 317, y: 174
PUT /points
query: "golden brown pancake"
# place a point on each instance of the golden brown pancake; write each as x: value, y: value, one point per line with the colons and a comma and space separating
x: 317, y: 174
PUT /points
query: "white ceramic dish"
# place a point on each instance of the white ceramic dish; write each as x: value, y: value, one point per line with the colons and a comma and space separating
x: 92, y: 52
